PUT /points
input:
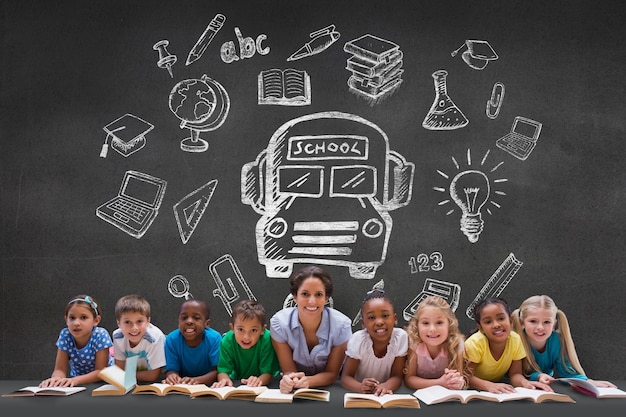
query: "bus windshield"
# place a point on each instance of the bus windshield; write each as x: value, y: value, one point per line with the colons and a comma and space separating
x: 353, y: 181
x: 301, y: 181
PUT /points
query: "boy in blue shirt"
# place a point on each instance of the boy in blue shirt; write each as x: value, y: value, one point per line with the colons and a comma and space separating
x: 192, y: 350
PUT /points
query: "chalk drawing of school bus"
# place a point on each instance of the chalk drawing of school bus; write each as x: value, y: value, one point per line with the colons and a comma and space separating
x: 324, y: 187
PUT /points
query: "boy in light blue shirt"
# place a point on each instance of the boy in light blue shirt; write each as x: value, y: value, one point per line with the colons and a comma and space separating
x: 192, y: 350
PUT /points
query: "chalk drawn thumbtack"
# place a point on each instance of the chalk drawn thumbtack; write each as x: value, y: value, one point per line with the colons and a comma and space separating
x: 166, y: 60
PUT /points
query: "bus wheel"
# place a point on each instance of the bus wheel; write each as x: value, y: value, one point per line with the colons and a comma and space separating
x: 362, y: 271
x: 278, y: 270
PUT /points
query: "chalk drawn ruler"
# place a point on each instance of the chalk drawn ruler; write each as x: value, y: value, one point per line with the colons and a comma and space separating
x: 190, y: 209
x: 498, y: 281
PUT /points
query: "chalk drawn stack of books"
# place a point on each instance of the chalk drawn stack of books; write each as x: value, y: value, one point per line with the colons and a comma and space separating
x: 376, y: 66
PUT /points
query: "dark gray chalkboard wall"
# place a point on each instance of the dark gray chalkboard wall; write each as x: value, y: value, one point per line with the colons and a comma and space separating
x: 70, y: 68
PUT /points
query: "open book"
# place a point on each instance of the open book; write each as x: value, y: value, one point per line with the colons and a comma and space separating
x: 289, y: 87
x: 120, y: 381
x: 55, y: 391
x: 359, y: 400
x: 437, y: 394
x: 242, y: 392
x: 164, y: 389
x: 273, y: 395
x: 587, y: 388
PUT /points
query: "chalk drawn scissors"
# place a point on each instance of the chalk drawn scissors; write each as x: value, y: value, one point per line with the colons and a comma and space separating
x: 179, y: 287
x: 495, y: 102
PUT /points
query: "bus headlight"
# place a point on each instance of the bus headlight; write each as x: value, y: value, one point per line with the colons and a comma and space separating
x: 277, y: 228
x: 372, y: 228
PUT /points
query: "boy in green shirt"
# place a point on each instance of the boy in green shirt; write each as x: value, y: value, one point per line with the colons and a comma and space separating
x: 246, y: 350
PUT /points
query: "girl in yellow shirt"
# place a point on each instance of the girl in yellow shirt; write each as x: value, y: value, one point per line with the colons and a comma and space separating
x: 495, y: 350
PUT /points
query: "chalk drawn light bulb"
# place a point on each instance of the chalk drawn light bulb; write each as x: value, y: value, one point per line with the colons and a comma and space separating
x: 470, y: 191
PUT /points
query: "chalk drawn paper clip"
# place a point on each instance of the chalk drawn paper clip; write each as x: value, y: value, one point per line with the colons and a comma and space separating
x: 179, y: 287
x: 225, y: 269
x: 495, y: 102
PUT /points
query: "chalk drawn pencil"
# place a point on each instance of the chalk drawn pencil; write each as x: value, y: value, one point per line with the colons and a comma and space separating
x: 205, y: 39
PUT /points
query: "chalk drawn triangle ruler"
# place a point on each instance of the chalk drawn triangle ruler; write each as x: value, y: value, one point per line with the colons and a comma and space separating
x: 189, y: 210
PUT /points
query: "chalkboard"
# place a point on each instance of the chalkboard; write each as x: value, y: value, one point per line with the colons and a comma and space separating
x: 268, y: 135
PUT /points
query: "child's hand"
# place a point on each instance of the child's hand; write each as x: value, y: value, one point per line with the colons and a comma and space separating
x: 455, y: 382
x: 381, y: 389
x: 57, y: 382
x: 222, y: 382
x: 538, y: 385
x: 369, y: 385
x: 189, y: 380
x: 172, y: 379
x: 452, y: 379
x: 253, y: 381
x: 500, y: 388
x: 545, y: 378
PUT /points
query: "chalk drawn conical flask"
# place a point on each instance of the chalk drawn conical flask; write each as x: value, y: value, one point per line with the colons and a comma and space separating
x: 443, y: 114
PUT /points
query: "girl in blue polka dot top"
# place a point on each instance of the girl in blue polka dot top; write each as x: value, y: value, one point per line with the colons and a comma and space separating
x: 83, y: 347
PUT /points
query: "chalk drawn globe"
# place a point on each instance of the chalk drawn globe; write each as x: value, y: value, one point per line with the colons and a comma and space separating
x: 192, y: 101
x: 202, y: 106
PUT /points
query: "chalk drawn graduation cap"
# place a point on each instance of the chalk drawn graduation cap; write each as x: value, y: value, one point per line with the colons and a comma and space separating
x: 478, y: 53
x: 127, y: 135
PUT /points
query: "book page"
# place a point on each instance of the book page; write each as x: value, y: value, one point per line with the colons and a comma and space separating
x: 114, y: 375
x: 312, y: 394
x: 294, y: 83
x: 387, y: 400
x: 122, y: 379
x: 30, y: 391
x: 535, y: 395
x: 271, y: 84
x: 186, y: 388
x: 273, y: 395
x: 109, y: 389
x: 225, y: 392
x: 436, y: 394
x: 155, y: 388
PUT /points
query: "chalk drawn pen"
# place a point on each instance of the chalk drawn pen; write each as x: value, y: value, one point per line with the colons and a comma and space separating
x: 205, y: 39
x: 322, y: 39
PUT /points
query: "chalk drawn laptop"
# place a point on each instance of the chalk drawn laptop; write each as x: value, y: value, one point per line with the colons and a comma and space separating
x: 136, y: 205
x: 522, y: 138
